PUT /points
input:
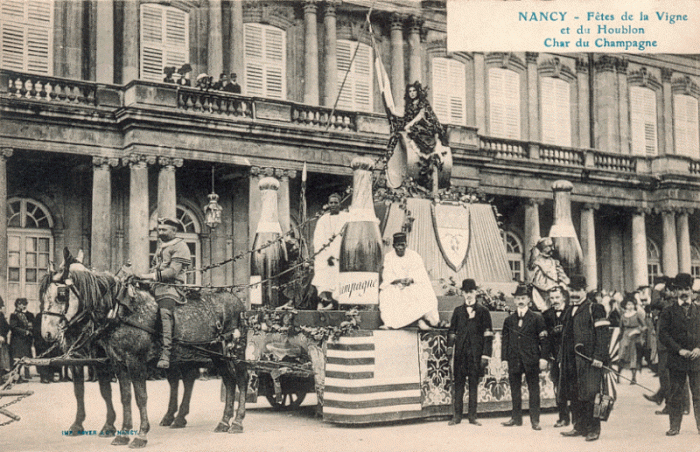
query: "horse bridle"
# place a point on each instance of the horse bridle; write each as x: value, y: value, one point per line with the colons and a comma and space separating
x: 63, y: 297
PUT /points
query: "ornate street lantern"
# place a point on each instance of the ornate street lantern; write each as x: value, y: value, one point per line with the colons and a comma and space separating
x: 212, y: 211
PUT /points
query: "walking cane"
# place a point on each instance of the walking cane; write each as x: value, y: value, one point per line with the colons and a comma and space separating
x: 588, y: 358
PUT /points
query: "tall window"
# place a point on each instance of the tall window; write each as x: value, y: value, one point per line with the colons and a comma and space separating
x: 514, y: 252
x: 29, y: 249
x: 685, y: 125
x: 504, y: 103
x: 165, y: 39
x: 26, y: 35
x: 265, y: 54
x: 694, y: 261
x: 643, y: 115
x: 188, y: 230
x: 357, y: 90
x: 653, y: 261
x: 449, y: 91
x: 556, y: 111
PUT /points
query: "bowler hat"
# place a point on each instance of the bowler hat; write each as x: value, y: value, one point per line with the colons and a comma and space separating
x: 169, y: 222
x: 468, y: 285
x: 521, y: 290
x: 683, y: 281
x: 578, y: 282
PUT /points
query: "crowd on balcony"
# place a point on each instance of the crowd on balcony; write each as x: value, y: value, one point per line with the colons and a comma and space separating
x: 204, y: 81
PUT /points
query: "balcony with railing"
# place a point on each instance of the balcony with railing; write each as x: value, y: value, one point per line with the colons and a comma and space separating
x: 17, y: 89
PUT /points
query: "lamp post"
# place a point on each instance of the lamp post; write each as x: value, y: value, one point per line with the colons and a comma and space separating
x: 212, y: 218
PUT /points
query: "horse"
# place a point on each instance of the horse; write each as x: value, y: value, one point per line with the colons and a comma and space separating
x: 208, y: 329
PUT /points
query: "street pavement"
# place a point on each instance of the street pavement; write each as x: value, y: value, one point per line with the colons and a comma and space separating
x: 633, y: 426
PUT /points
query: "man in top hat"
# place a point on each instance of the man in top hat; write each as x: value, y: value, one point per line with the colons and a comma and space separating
x: 406, y: 294
x: 524, y: 347
x: 326, y: 262
x: 554, y: 321
x: 170, y: 264
x: 545, y: 272
x: 469, y: 339
x: 679, y: 332
x: 585, y: 349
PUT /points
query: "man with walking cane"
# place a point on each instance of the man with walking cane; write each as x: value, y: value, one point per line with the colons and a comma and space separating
x: 679, y: 332
x: 586, y: 331
x: 469, y: 339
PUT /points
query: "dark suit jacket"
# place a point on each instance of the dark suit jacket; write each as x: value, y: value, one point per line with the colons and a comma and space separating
x: 677, y: 332
x: 525, y: 345
x: 21, y: 341
x: 469, y: 348
x: 555, y: 326
x: 590, y: 328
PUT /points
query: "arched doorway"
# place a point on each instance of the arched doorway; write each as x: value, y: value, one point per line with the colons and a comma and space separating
x: 29, y: 249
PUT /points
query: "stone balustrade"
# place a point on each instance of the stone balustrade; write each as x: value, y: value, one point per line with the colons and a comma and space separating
x: 215, y: 102
x: 615, y: 162
x: 504, y: 149
x: 560, y: 155
x: 324, y: 118
x: 48, y: 89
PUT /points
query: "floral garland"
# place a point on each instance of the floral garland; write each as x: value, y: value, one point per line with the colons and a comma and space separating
x: 267, y: 320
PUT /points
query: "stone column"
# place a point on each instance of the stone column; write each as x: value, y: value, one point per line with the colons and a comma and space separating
x: 310, y: 54
x: 533, y: 96
x: 588, y: 244
x: 666, y: 74
x: 480, y: 92
x: 236, y: 46
x: 415, y: 65
x: 669, y: 253
x: 138, y: 211
x: 683, y: 233
x: 104, y: 57
x: 5, y: 154
x: 130, y: 42
x: 330, y: 57
x: 640, y: 270
x: 167, y: 191
x: 624, y: 102
x: 584, y: 113
x: 241, y: 228
x: 73, y: 47
x: 101, y: 237
x: 215, y: 45
x: 606, y: 104
x: 398, y: 81
x: 532, y: 227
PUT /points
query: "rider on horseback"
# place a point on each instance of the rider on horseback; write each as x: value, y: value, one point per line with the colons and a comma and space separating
x: 169, y: 265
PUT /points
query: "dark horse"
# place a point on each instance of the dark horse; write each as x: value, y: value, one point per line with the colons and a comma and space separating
x: 207, y: 330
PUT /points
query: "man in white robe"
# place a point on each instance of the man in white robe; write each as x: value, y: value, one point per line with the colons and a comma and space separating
x: 326, y: 262
x: 406, y: 294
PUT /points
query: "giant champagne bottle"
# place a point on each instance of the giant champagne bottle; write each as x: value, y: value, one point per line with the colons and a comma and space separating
x: 268, y: 262
x: 563, y: 233
x: 361, y: 246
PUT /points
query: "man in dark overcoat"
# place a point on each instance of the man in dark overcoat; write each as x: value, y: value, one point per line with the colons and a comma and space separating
x: 21, y: 327
x: 469, y: 339
x: 554, y: 321
x: 586, y: 331
x: 679, y: 331
x: 524, y: 347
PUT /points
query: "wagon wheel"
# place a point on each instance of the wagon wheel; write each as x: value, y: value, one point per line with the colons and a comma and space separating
x: 290, y: 400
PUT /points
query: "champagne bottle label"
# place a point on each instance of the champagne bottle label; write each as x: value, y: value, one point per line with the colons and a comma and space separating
x: 361, y: 288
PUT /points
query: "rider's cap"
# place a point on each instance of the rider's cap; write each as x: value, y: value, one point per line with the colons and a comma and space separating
x: 168, y: 221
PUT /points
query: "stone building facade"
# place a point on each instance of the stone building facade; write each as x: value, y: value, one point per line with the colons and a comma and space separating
x: 94, y: 145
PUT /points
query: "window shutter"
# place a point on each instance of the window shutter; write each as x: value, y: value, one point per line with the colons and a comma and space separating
x: 556, y: 111
x: 449, y: 91
x: 265, y: 61
x: 504, y: 100
x: 643, y: 115
x: 26, y: 35
x: 356, y: 93
x: 685, y: 118
x: 164, y: 40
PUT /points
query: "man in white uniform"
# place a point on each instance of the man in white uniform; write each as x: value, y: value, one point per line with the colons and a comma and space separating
x: 406, y: 294
x: 326, y: 262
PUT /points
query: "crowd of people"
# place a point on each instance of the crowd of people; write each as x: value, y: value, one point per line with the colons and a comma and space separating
x: 205, y: 82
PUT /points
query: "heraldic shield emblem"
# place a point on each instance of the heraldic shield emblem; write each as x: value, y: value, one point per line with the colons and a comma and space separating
x: 451, y: 223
